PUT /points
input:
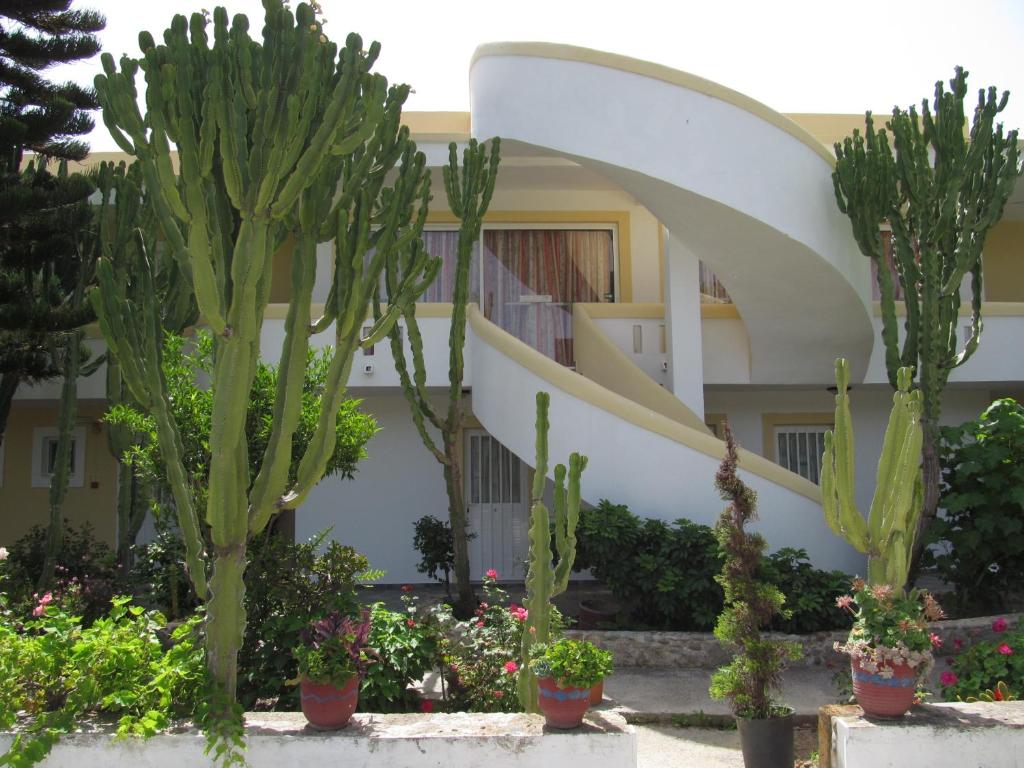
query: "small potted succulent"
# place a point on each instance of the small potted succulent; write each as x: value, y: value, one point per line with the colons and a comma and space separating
x: 890, y: 646
x: 566, y: 672
x: 332, y: 660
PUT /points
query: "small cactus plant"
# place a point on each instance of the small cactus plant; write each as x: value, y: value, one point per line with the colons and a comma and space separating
x: 887, y: 536
x: 544, y: 579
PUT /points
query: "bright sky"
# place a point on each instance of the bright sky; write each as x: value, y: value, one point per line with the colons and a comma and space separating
x: 793, y: 55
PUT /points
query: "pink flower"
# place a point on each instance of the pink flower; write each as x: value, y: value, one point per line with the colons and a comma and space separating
x: 999, y: 625
x: 38, y: 611
x: 427, y: 706
x: 479, y: 625
x: 518, y: 612
x: 844, y: 602
x: 498, y: 694
x: 492, y: 574
x: 936, y: 640
x: 1005, y: 650
x: 958, y: 644
x: 511, y: 667
x: 948, y: 678
x: 44, y: 601
x: 410, y: 623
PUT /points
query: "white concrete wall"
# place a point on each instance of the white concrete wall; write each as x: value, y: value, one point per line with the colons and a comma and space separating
x: 398, y: 483
x: 278, y: 739
x: 870, y: 406
x: 652, y: 357
x: 934, y: 736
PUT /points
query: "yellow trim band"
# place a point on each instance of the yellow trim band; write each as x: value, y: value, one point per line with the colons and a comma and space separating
x: 657, y: 72
x: 593, y: 393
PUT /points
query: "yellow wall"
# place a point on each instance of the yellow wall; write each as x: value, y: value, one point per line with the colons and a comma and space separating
x: 1004, y: 262
x: 22, y: 506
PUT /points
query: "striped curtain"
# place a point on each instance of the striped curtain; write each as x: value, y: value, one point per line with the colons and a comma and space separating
x: 532, y: 277
x: 711, y: 289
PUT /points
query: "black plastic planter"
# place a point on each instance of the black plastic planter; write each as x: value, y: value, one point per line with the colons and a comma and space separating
x: 767, y: 743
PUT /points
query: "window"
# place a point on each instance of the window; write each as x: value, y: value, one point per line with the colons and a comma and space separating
x: 799, y: 448
x: 44, y: 456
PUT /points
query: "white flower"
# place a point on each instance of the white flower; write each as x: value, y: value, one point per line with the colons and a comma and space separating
x: 3, y: 554
x: 885, y: 672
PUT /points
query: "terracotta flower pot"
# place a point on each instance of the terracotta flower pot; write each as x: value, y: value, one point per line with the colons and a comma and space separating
x: 563, y: 708
x: 881, y: 695
x: 597, y: 693
x: 595, y: 614
x: 328, y: 707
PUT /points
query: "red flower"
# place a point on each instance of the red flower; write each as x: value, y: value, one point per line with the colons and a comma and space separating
x: 410, y: 623
x: 492, y: 574
x: 479, y: 625
x: 958, y: 644
x: 407, y: 587
x: 427, y: 706
x: 498, y: 694
x: 948, y: 678
x: 997, y: 694
x: 999, y: 625
x: 1005, y: 650
x: 511, y: 667
x: 936, y: 640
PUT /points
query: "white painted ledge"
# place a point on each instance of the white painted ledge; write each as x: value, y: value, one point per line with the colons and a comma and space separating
x: 279, y: 739
x: 933, y: 735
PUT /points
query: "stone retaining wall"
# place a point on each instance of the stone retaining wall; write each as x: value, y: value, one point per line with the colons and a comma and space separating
x: 702, y: 650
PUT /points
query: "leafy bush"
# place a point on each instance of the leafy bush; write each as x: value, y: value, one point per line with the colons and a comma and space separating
x: 810, y: 593
x: 84, y: 562
x: 574, y: 663
x: 333, y: 649
x: 983, y: 495
x: 433, y: 540
x: 666, y: 573
x: 481, y: 653
x: 408, y: 647
x: 288, y: 585
x: 983, y: 666
x: 55, y: 673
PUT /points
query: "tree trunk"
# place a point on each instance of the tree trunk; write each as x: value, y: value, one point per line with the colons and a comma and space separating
x: 465, y: 602
x: 8, y: 386
x: 931, y: 476
x: 62, y: 461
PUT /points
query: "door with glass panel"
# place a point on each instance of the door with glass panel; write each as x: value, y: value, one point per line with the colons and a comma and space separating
x: 497, y: 501
x: 530, y: 279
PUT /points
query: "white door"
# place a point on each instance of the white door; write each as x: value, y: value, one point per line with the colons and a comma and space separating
x: 498, y: 508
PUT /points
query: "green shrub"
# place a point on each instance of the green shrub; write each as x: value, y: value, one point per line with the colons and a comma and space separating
x: 408, y: 646
x: 983, y: 495
x: 986, y: 664
x: 571, y: 663
x: 810, y: 593
x: 56, y: 674
x: 288, y: 585
x: 665, y: 573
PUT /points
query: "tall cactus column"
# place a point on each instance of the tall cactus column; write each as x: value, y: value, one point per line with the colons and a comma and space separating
x: 290, y: 136
x: 544, y: 579
x: 887, y: 536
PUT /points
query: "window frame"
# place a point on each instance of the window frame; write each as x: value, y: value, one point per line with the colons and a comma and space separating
x: 40, y: 477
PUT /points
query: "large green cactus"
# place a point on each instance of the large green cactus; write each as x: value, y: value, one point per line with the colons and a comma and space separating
x: 285, y: 138
x: 941, y: 191
x: 469, y: 194
x: 544, y: 579
x: 887, y: 536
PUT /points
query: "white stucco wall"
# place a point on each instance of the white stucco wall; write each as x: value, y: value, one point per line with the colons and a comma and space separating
x: 397, y: 483
x: 870, y: 407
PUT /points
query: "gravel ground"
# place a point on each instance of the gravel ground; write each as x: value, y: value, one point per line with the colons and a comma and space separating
x: 665, y: 746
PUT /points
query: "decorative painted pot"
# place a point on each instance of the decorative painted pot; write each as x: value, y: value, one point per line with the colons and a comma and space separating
x: 597, y: 693
x: 563, y: 708
x: 883, y: 695
x: 327, y: 707
x: 766, y: 743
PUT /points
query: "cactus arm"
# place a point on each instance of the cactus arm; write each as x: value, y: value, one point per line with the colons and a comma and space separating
x: 570, y: 517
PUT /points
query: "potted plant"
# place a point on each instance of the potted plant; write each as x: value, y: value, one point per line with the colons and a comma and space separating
x: 566, y: 672
x: 332, y: 660
x: 755, y: 673
x: 890, y: 646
